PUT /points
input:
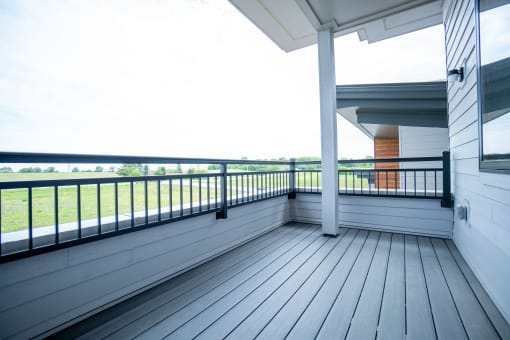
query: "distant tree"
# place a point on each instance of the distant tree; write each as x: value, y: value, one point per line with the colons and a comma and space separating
x: 130, y: 170
x: 50, y: 169
x: 99, y: 169
x: 111, y: 169
x: 146, y: 170
x: 5, y: 169
x: 30, y: 170
x: 213, y: 167
x: 160, y: 171
x: 179, y: 169
x: 75, y: 169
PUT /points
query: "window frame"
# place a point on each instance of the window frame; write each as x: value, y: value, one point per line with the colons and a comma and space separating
x: 498, y: 166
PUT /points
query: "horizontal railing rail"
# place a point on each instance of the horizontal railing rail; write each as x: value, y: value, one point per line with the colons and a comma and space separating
x: 37, y: 216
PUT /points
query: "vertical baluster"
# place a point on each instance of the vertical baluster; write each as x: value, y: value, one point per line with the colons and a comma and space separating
x: 132, y: 202
x: 395, y: 180
x: 116, y: 203
x: 30, y: 220
x: 424, y: 182
x: 386, y: 182
x: 55, y: 207
x: 435, y: 183
x: 170, y: 198
x: 78, y: 203
x: 191, y: 195
x: 199, y: 194
x: 208, y: 194
x: 216, y: 192
x: 98, y: 195
x: 181, y: 196
x: 159, y: 199
x: 237, y: 189
x: 146, y: 192
x: 230, y: 181
x: 405, y: 183
x: 414, y: 182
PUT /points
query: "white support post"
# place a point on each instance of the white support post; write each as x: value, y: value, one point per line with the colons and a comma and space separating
x: 329, y: 148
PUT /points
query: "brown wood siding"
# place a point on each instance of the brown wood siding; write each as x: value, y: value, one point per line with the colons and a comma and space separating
x: 387, y: 148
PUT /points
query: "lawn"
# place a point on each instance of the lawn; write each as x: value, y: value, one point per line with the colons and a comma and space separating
x: 14, y: 203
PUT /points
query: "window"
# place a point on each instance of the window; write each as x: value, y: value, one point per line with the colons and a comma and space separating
x: 494, y: 83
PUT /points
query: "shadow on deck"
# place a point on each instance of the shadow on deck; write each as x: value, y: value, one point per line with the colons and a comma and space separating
x: 294, y: 282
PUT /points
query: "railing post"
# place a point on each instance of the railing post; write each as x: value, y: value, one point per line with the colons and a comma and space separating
x: 222, y: 214
x: 292, y: 180
x: 446, y: 201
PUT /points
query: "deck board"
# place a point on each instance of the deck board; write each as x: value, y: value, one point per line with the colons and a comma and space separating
x: 296, y: 283
x: 446, y: 318
x: 392, y: 314
x: 366, y: 317
x: 339, y: 318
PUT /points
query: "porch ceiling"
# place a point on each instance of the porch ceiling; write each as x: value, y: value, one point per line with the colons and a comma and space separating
x: 379, y: 109
x: 293, y: 24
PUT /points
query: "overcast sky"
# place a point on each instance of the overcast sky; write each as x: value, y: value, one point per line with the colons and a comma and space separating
x: 183, y: 78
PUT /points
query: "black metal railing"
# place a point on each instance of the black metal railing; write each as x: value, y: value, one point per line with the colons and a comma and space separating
x: 81, y: 210
x: 418, y: 177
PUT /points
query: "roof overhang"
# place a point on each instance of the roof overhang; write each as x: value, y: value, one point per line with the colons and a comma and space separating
x: 379, y: 109
x: 293, y: 24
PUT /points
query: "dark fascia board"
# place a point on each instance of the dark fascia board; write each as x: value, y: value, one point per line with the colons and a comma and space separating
x: 419, y: 118
x: 404, y: 104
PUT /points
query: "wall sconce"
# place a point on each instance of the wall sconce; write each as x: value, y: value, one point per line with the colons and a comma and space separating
x: 456, y: 75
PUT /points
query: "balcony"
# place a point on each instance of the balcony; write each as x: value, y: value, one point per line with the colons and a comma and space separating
x: 295, y: 283
x: 231, y: 252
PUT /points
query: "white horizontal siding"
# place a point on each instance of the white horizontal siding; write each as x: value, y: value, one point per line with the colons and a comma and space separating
x: 485, y: 238
x: 414, y: 216
x: 422, y: 142
x: 46, y: 291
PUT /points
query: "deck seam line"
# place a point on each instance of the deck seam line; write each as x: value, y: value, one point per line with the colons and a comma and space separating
x: 290, y: 275
x: 363, y: 286
x: 384, y: 286
x: 230, y: 291
x: 233, y: 266
x: 426, y: 287
x: 307, y: 235
x: 93, y: 331
x: 343, y: 283
x: 474, y: 292
x: 306, y: 279
x: 449, y: 289
x: 334, y: 267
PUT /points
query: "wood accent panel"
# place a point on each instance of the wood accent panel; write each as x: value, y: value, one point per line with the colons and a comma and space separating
x: 387, y: 148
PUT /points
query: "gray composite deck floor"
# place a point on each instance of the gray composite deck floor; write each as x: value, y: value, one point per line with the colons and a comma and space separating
x: 296, y: 283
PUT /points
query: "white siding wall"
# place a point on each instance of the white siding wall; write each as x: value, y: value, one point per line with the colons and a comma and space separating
x: 485, y: 239
x: 422, y: 142
x: 45, y: 291
x: 406, y: 215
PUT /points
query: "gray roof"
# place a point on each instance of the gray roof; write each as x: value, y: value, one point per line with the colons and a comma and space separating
x: 378, y: 109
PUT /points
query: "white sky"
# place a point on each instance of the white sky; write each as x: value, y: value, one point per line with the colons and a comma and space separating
x: 183, y: 78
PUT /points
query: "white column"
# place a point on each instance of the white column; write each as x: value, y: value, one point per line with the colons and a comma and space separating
x: 329, y: 149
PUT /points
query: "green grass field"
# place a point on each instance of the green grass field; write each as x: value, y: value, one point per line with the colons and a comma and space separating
x: 14, y: 202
